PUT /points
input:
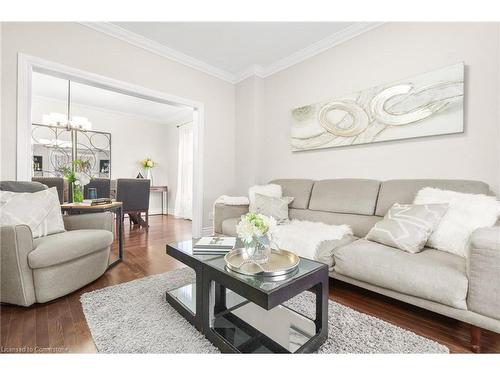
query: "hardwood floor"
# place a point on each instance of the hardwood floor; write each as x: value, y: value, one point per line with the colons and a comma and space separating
x: 60, y: 326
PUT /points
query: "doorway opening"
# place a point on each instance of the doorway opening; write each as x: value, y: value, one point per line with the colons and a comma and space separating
x: 119, y: 130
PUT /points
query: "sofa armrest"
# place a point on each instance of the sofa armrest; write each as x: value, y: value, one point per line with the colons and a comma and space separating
x: 99, y: 220
x: 16, y: 277
x: 224, y: 211
x: 484, y: 272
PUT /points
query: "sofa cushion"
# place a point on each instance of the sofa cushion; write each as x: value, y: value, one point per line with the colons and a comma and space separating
x: 327, y: 248
x: 360, y: 224
x: 404, y: 191
x: 351, y: 196
x: 229, y: 226
x: 431, y: 274
x: 64, y: 247
x: 299, y: 189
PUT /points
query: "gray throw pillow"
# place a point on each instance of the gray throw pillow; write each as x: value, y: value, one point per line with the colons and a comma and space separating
x: 272, y: 206
x: 408, y: 226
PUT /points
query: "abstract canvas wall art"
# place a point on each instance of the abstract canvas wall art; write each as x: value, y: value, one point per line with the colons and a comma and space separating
x: 427, y: 104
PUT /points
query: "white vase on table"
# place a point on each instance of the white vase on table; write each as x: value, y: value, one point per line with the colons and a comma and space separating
x: 149, y: 175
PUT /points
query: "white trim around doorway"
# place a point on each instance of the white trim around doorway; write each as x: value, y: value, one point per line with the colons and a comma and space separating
x: 26, y: 64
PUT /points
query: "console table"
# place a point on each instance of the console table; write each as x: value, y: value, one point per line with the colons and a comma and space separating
x: 164, y: 191
x: 153, y: 189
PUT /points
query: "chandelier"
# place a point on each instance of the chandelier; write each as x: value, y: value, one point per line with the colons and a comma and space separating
x: 61, y: 120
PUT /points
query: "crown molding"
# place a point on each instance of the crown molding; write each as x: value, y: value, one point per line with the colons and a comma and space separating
x: 314, y: 49
x: 158, y: 48
x: 252, y: 71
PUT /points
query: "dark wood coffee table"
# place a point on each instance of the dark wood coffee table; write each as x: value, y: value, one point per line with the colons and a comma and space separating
x: 246, y: 314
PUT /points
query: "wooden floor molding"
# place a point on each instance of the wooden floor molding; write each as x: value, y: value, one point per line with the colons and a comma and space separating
x: 60, y: 326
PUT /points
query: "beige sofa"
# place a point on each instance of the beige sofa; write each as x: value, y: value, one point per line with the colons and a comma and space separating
x: 435, y: 280
x: 45, y: 268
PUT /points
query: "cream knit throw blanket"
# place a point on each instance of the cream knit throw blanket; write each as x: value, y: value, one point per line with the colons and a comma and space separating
x: 305, y: 237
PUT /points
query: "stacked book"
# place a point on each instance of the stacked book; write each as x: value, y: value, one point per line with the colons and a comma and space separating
x: 214, y: 245
x: 95, y: 202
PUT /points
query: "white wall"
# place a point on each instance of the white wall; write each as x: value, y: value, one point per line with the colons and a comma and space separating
x: 83, y: 48
x: 257, y: 148
x: 248, y: 108
x: 387, y: 53
x: 133, y: 138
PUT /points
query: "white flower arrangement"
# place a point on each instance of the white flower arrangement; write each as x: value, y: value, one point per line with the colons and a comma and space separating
x: 81, y: 179
x: 255, y: 229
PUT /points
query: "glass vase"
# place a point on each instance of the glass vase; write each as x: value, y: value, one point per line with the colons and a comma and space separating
x: 149, y: 175
x: 77, y: 193
x: 258, y: 251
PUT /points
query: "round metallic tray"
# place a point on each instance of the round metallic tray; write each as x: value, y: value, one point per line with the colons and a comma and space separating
x: 281, y: 262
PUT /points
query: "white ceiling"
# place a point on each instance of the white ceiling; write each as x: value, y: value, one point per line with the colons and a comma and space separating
x: 234, y: 51
x: 47, y: 86
x: 235, y: 46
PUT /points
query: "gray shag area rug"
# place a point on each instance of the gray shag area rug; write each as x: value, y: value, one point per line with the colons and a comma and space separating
x: 134, y: 317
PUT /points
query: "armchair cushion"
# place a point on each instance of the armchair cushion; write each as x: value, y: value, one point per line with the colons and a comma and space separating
x: 22, y: 186
x: 64, y: 247
x: 16, y: 284
x: 98, y: 220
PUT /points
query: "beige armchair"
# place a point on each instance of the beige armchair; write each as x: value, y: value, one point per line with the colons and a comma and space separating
x: 45, y: 268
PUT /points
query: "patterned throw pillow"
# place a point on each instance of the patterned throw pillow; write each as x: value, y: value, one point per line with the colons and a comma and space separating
x: 407, y: 226
x: 270, y: 190
x: 41, y: 211
x: 272, y: 206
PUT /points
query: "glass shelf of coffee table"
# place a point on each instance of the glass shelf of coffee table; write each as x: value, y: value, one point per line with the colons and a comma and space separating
x: 251, y: 329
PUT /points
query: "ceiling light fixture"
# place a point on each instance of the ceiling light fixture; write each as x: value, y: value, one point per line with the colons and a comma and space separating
x: 61, y: 120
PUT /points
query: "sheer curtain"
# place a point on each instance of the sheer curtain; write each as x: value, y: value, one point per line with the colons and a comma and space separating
x: 184, y: 195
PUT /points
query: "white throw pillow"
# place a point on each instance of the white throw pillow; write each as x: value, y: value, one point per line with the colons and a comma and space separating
x: 466, y: 213
x: 271, y: 190
x: 41, y: 211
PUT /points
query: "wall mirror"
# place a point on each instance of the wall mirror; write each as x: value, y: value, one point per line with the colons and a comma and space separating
x: 59, y: 135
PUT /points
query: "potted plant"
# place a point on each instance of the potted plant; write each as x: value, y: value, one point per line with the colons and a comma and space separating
x: 78, y: 177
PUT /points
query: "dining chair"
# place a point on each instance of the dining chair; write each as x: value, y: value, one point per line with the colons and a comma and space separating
x: 102, y: 186
x: 58, y: 182
x: 134, y: 195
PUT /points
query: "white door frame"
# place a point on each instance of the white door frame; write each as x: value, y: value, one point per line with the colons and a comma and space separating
x: 26, y: 64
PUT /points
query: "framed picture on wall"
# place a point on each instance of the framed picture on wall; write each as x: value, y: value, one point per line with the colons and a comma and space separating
x: 427, y: 104
x: 104, y: 166
x: 37, y: 163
